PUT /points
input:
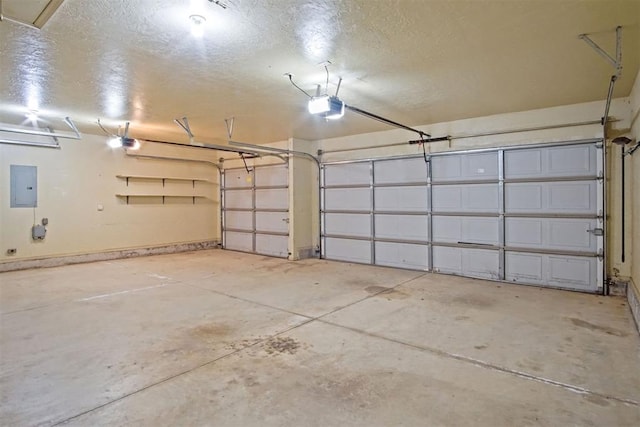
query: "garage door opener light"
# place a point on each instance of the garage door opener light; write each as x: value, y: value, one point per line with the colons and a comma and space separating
x: 117, y: 141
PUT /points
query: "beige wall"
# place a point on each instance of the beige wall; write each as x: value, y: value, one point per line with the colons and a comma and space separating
x: 74, y: 180
x: 305, y: 217
x: 634, y: 183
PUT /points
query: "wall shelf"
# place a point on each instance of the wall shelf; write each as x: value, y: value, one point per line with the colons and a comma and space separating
x: 162, y: 178
x: 185, y: 196
x: 161, y: 193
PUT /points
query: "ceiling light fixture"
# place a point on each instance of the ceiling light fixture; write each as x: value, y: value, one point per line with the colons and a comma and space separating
x: 197, y: 25
x: 124, y: 142
x: 32, y: 115
x: 117, y: 141
x: 331, y: 107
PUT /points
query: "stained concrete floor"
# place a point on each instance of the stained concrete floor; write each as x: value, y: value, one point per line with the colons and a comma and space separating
x: 229, y: 339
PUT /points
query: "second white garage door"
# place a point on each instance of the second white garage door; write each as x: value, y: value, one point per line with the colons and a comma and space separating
x: 524, y: 214
x: 255, y: 210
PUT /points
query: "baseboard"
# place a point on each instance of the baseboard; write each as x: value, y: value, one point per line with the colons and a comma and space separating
x: 634, y: 303
x: 618, y: 287
x: 106, y: 256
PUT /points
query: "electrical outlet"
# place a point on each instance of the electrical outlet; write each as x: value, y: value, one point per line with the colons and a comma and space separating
x: 12, y: 251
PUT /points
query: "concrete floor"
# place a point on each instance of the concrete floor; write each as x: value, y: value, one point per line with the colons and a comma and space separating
x: 223, y: 338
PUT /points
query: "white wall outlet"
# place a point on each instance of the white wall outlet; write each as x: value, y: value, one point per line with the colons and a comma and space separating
x: 100, y: 207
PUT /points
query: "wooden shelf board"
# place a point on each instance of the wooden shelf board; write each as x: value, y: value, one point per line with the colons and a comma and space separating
x: 160, y: 195
x: 172, y: 178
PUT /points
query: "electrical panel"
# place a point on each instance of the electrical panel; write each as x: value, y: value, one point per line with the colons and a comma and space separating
x: 24, y: 186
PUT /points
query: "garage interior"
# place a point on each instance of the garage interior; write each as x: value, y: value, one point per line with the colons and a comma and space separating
x: 297, y: 212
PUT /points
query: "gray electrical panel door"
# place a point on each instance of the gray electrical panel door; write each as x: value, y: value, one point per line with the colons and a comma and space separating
x: 24, y: 186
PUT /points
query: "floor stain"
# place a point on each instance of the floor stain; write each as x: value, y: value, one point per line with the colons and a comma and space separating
x: 239, y: 345
x: 591, y: 326
x: 462, y: 318
x: 598, y: 400
x: 376, y: 289
x: 281, y: 345
x: 393, y: 294
x: 473, y: 300
x: 355, y: 281
x: 388, y: 293
x: 209, y: 331
x: 529, y: 364
x: 480, y: 347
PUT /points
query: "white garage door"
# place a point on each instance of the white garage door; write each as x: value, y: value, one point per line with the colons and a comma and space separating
x: 255, y: 210
x: 529, y: 215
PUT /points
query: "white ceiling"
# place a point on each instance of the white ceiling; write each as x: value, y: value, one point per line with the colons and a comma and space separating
x: 412, y: 61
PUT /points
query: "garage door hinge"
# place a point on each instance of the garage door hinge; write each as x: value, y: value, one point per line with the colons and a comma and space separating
x: 600, y: 254
x: 596, y: 231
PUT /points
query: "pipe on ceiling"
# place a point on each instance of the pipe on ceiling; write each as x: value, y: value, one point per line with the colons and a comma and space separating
x: 50, y: 134
x: 476, y: 135
x: 29, y: 144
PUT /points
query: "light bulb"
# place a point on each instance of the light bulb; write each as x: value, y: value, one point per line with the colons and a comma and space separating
x: 197, y: 25
x: 115, y: 142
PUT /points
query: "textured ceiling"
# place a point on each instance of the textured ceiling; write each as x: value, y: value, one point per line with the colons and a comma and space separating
x: 412, y: 61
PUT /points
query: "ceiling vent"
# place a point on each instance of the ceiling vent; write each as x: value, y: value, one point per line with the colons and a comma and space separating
x: 32, y: 13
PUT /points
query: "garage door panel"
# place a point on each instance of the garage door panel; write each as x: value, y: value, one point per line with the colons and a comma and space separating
x: 455, y: 229
x: 238, y: 241
x: 571, y: 272
x: 574, y: 160
x: 570, y: 197
x: 524, y: 268
x: 238, y: 199
x: 577, y: 160
x: 523, y: 163
x: 275, y: 198
x: 402, y: 255
x: 237, y: 178
x: 400, y: 171
x: 465, y: 167
x: 481, y: 263
x: 402, y: 227
x: 271, y: 176
x: 465, y: 198
x: 347, y: 174
x: 251, y: 203
x: 358, y: 225
x: 412, y: 199
x: 238, y: 220
x: 447, y: 260
x: 572, y: 234
x: 272, y: 245
x: 349, y: 199
x: 348, y: 250
x: 551, y: 233
x: 275, y: 222
x: 574, y: 197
